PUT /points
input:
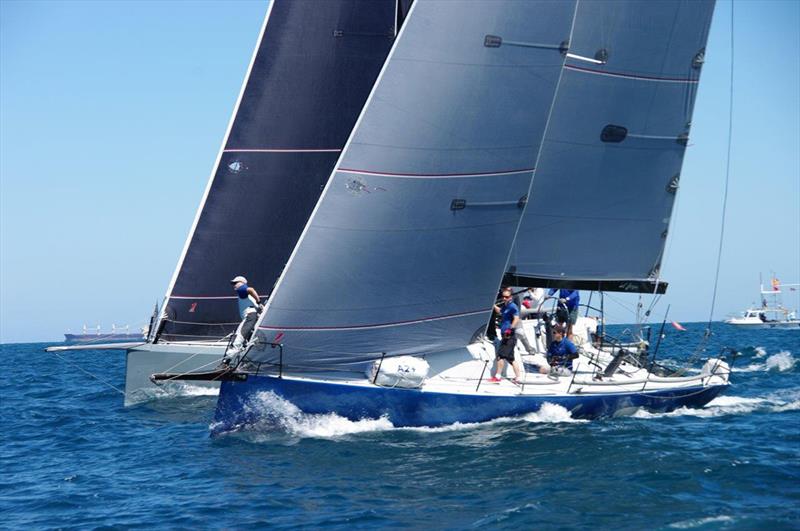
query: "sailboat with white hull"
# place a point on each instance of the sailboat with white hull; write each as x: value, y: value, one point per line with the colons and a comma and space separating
x: 433, y: 202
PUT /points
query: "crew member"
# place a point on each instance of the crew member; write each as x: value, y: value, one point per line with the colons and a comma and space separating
x: 509, y: 318
x: 560, y: 353
x: 568, y: 299
x: 249, y: 306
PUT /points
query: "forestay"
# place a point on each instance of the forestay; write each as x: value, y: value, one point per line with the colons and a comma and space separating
x: 406, y: 248
x: 610, y: 166
x: 313, y: 70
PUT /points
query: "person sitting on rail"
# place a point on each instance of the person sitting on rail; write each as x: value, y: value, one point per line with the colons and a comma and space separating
x: 560, y: 354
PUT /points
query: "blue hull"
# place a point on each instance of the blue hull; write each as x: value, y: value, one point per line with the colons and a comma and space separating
x: 412, y: 407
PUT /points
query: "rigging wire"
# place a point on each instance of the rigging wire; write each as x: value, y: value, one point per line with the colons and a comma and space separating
x: 75, y: 365
x: 725, y: 192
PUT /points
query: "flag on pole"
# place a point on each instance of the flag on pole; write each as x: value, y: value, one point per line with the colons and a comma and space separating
x: 776, y: 284
x: 678, y: 326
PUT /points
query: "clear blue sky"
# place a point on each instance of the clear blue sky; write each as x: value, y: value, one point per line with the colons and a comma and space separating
x: 111, y: 115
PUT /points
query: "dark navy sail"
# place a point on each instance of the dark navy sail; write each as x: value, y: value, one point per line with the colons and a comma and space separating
x: 313, y: 70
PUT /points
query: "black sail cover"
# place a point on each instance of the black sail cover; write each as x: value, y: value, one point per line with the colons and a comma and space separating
x: 606, y: 180
x: 313, y: 70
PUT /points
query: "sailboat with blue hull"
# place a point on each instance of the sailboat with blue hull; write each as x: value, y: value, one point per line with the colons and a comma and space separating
x: 486, y: 118
x: 410, y: 407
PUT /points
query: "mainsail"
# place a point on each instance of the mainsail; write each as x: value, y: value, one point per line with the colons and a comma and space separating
x: 610, y: 166
x: 405, y: 250
x: 312, y: 71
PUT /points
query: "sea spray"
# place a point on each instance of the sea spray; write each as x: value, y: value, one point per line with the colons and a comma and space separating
x: 551, y: 413
x: 267, y: 412
x: 781, y: 362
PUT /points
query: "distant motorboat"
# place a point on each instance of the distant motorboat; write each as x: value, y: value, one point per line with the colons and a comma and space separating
x: 95, y: 335
x: 771, y: 313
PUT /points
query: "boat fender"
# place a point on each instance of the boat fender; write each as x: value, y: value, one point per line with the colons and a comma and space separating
x: 716, y: 367
x: 402, y: 371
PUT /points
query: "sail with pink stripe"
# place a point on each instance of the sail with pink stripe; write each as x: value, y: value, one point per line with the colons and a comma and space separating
x: 406, y: 248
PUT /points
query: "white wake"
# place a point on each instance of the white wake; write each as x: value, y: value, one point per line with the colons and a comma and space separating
x: 274, y: 415
x: 733, y: 405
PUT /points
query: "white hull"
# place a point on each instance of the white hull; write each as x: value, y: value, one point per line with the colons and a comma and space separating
x: 750, y: 322
x: 145, y: 360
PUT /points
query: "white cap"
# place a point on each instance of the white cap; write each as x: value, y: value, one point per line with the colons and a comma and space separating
x: 238, y: 279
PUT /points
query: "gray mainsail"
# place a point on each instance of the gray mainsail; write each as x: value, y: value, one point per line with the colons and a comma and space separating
x: 608, y: 174
x: 312, y: 71
x: 405, y: 250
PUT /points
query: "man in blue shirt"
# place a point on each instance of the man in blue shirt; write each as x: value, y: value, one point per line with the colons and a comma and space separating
x: 509, y: 318
x: 249, y: 305
x: 560, y: 353
x: 568, y: 299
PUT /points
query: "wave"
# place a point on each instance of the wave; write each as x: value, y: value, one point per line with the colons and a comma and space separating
x: 732, y: 405
x: 551, y: 413
x: 170, y: 390
x: 783, y: 361
x: 272, y: 415
x: 753, y: 367
x: 701, y: 522
x: 276, y: 414
x: 760, y: 352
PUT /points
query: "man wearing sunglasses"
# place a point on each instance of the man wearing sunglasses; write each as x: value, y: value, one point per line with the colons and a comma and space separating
x: 509, y: 318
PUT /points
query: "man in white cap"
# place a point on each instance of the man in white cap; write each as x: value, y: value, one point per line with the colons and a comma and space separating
x: 249, y: 306
x: 248, y: 297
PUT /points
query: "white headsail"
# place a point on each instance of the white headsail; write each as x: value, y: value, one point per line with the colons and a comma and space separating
x: 406, y: 247
x: 606, y: 181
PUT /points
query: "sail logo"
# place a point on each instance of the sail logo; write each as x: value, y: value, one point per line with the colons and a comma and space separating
x: 358, y: 186
x: 236, y: 166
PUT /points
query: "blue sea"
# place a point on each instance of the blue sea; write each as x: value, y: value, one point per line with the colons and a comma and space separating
x: 73, y: 457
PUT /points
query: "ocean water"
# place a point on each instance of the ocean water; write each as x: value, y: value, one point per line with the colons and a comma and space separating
x: 73, y: 457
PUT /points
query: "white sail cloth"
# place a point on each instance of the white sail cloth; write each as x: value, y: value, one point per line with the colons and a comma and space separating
x: 589, y: 195
x: 408, y: 243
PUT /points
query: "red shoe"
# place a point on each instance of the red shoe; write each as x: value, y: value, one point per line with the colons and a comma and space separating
x: 495, y: 379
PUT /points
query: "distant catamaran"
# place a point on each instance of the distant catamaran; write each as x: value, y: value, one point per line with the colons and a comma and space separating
x: 377, y: 181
